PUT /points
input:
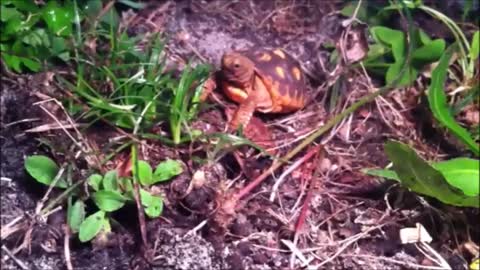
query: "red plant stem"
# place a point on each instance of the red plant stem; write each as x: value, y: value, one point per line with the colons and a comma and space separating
x: 306, y: 203
x: 266, y: 173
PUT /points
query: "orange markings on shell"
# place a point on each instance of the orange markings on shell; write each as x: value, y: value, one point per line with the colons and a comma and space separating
x: 279, y: 53
x: 297, y: 74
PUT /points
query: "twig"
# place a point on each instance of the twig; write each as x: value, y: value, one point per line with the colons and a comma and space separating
x: 407, y: 264
x: 313, y: 181
x: 40, y: 204
x: 297, y: 252
x: 295, y: 165
x: 17, y: 261
x: 66, y: 248
x: 197, y: 228
x: 424, y: 248
x: 136, y: 195
x: 6, y: 229
x: 346, y: 245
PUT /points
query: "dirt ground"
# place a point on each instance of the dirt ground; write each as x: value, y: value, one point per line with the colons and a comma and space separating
x: 353, y: 220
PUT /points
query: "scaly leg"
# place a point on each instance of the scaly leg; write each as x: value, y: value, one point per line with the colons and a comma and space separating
x: 208, y: 88
x: 244, y: 113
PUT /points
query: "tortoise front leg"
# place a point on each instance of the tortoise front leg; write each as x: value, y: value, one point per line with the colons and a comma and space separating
x: 244, y: 113
x: 208, y: 88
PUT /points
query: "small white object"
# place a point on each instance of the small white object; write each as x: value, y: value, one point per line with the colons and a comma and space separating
x: 415, y: 235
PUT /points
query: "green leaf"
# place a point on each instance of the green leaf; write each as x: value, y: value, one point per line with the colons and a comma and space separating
x: 8, y: 13
x: 408, y: 76
x: 92, y: 8
x: 31, y: 64
x: 58, y: 46
x: 108, y: 200
x: 153, y: 204
x: 438, y: 103
x: 384, y: 173
x: 14, y: 26
x: 394, y: 38
x: 110, y: 180
x: 349, y: 9
x: 166, y: 170
x: 144, y: 173
x: 94, y: 181
x: 474, y: 48
x: 28, y: 6
x: 375, y: 51
x: 44, y: 170
x: 111, y: 19
x: 76, y: 215
x: 424, y: 38
x: 462, y: 173
x: 12, y: 61
x: 125, y: 184
x: 59, y: 19
x: 91, y: 226
x: 428, y: 53
x: 417, y: 175
x: 38, y: 37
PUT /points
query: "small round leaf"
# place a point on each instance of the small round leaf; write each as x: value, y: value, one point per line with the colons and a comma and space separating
x: 91, y: 226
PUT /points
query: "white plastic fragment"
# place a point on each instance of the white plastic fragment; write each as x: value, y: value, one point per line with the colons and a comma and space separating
x: 415, y: 235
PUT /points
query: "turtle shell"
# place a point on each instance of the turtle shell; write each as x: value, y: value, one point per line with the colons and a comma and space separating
x: 283, y: 73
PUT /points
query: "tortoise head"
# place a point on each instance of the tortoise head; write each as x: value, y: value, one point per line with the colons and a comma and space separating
x: 237, y: 68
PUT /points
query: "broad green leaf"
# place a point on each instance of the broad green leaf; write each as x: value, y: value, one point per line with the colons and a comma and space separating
x: 394, y: 38
x: 375, y: 51
x: 94, y: 181
x: 408, y: 76
x: 111, y: 19
x: 424, y: 38
x: 38, y: 37
x: 462, y: 173
x: 12, y: 61
x: 438, y: 103
x: 349, y: 9
x: 125, y: 184
x: 428, y: 53
x: 44, y: 170
x: 92, y: 8
x: 31, y: 64
x: 76, y: 215
x: 8, y: 13
x: 474, y: 48
x: 417, y: 175
x: 153, y: 204
x: 58, y: 46
x: 91, y: 226
x: 28, y: 6
x: 14, y: 26
x: 59, y: 19
x: 110, y: 180
x: 166, y: 170
x: 145, y: 173
x: 108, y: 200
